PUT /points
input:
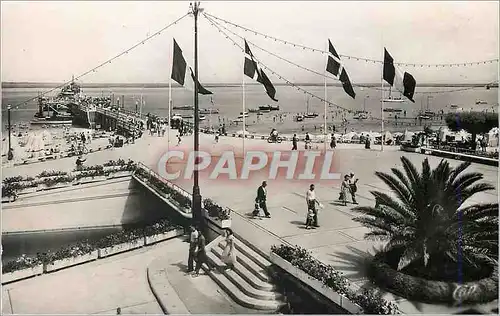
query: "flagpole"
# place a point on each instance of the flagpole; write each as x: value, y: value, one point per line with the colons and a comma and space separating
x: 382, y: 106
x: 326, y: 96
x: 243, y: 114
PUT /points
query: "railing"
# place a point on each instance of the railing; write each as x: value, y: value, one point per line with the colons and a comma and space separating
x: 453, y: 149
x: 151, y: 173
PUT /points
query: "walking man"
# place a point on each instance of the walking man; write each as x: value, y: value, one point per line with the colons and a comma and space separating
x: 333, y: 142
x: 201, y: 254
x: 179, y: 139
x: 308, y: 141
x: 311, y: 207
x: 353, y: 187
x: 261, y: 200
x: 294, y: 142
x: 193, y: 243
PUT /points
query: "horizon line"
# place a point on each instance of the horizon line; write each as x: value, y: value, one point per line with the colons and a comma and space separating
x: 28, y: 84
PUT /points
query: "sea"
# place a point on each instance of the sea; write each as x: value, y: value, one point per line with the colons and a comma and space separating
x: 229, y: 101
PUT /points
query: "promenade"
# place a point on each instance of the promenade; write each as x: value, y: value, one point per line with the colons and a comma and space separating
x: 339, y: 241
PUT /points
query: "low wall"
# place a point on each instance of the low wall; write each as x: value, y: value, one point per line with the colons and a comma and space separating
x: 105, y: 203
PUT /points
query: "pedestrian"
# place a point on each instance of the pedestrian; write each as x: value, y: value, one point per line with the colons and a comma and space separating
x: 201, y: 254
x: 193, y: 242
x: 261, y: 200
x: 294, y: 142
x: 343, y: 190
x: 353, y: 187
x: 312, y: 212
x: 179, y: 140
x: 79, y: 163
x: 229, y: 253
x: 333, y: 142
x: 118, y: 311
x: 307, y: 141
x: 216, y: 137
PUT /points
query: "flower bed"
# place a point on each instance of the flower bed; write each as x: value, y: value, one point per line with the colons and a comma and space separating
x: 71, y: 261
x: 429, y: 291
x: 127, y: 239
x: 56, y: 179
x: 329, y: 282
x: 22, y: 273
x: 216, y: 211
x: 119, y: 248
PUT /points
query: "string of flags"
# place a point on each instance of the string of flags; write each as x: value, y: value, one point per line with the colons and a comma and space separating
x: 442, y: 65
x: 336, y: 78
x: 142, y: 42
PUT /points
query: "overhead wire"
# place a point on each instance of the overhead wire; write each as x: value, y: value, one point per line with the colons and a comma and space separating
x: 107, y: 61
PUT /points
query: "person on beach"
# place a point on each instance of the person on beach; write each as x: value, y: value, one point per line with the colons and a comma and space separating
x: 295, y: 140
x: 311, y: 207
x: 179, y: 139
x: 261, y: 200
x: 344, y: 189
x: 308, y: 141
x: 217, y: 137
x: 229, y: 253
x: 193, y: 241
x: 353, y: 187
x: 201, y: 254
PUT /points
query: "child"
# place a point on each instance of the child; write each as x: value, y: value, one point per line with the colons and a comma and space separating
x: 310, y: 217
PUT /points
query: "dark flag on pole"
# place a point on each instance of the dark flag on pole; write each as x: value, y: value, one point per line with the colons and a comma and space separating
x: 403, y: 82
x: 252, y: 70
x: 335, y: 67
x: 180, y: 73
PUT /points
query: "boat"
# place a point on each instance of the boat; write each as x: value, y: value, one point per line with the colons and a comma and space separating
x: 202, y: 117
x: 52, y: 120
x: 429, y: 113
x: 360, y: 115
x: 481, y: 102
x: 393, y: 99
x: 246, y: 113
x: 209, y: 111
x: 393, y: 110
x: 187, y: 116
x: 309, y: 114
x: 424, y: 117
x: 253, y: 110
x: 269, y: 107
x: 238, y: 121
x: 299, y: 118
x: 264, y: 111
x: 453, y: 106
x: 241, y: 115
x: 183, y: 107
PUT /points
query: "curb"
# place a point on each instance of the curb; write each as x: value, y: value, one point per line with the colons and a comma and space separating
x: 163, y: 308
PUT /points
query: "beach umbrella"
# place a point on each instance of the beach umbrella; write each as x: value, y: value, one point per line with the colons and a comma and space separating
x: 240, y: 132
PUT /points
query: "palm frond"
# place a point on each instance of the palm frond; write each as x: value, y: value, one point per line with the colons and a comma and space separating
x: 397, y: 187
x: 457, y: 170
x: 400, y: 209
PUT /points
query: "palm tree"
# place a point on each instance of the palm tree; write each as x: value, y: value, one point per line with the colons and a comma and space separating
x: 425, y: 221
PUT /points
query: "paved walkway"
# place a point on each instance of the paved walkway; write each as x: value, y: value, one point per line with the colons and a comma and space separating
x: 339, y: 241
x: 97, y: 287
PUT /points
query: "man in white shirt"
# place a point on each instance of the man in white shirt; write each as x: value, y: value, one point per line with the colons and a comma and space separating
x: 311, y: 203
x: 193, y: 242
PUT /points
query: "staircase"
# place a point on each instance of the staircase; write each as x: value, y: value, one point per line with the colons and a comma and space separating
x: 248, y: 284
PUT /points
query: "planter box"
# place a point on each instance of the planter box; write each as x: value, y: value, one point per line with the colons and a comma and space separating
x: 108, y: 251
x: 318, y: 286
x: 27, y: 190
x: 22, y: 274
x: 148, y: 240
x: 69, y: 262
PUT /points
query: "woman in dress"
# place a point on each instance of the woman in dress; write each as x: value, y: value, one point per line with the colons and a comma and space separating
x: 344, y: 189
x: 229, y: 253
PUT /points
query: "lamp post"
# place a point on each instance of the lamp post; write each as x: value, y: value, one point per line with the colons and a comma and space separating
x: 196, y: 207
x: 10, y: 154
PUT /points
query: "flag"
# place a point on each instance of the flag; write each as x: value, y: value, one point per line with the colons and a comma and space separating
x: 180, y: 73
x: 403, y: 82
x: 251, y: 69
x: 335, y: 67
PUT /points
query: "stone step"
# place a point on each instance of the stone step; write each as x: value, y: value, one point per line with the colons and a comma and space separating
x: 252, y: 254
x: 236, y: 294
x: 248, y: 263
x: 246, y: 274
x: 243, y: 285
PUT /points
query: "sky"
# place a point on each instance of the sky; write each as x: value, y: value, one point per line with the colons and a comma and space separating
x: 51, y: 41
